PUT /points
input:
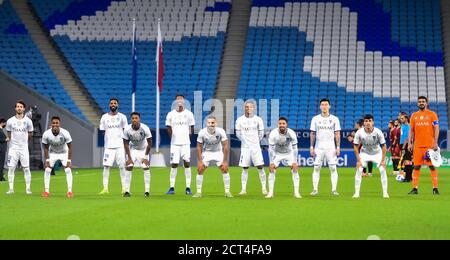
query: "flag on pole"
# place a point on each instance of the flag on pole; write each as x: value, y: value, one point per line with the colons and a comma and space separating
x: 160, y: 59
x: 134, y: 72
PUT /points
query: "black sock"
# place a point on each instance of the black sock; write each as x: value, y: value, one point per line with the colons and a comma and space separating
x: 408, y: 172
x: 395, y: 162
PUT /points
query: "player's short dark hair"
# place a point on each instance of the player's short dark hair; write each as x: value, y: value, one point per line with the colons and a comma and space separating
x: 56, y: 118
x: 360, y: 122
x: 180, y: 95
x: 114, y: 99
x: 284, y: 119
x: 136, y: 114
x: 22, y: 103
x: 325, y: 100
x: 2, y: 120
x: 368, y: 117
x: 406, y: 117
x: 423, y: 97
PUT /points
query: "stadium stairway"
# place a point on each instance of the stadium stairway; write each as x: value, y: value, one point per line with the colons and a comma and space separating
x: 57, y: 62
x: 235, y: 42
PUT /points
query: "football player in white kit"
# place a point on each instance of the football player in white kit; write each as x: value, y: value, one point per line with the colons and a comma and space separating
x: 180, y: 124
x: 137, y: 140
x: 212, y: 147
x: 57, y: 147
x: 373, y: 150
x: 20, y: 130
x: 250, y: 131
x: 325, y: 140
x: 113, y: 123
x: 283, y: 150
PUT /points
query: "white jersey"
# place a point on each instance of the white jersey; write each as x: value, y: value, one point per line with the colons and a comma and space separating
x: 371, y: 142
x: 113, y: 127
x: 283, y: 143
x: 138, y: 138
x: 181, y: 123
x: 19, y: 129
x: 250, y: 128
x: 325, y: 128
x: 212, y: 142
x: 58, y: 143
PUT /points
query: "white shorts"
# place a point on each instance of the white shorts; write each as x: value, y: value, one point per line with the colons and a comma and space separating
x: 284, y: 159
x: 249, y: 156
x: 14, y: 156
x: 322, y: 154
x: 213, y: 157
x: 180, y: 151
x: 365, y: 158
x: 138, y: 156
x: 116, y: 155
x: 54, y: 157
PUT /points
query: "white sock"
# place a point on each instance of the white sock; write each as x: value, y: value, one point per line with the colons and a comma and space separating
x: 69, y: 178
x: 11, y: 176
x: 105, y: 178
x: 47, y: 174
x: 128, y: 176
x: 173, y: 176
x: 199, y: 183
x: 262, y: 178
x: 316, y: 177
x: 296, y: 181
x: 334, y: 177
x: 384, y: 180
x: 188, y: 174
x: 271, y: 182
x: 147, y: 178
x: 358, y: 180
x: 27, y: 174
x: 123, y: 177
x: 226, y: 182
x: 244, y: 179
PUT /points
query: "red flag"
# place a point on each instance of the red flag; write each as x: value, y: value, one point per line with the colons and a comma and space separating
x: 160, y: 59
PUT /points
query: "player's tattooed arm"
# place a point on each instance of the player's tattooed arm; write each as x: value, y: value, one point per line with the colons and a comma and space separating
x: 337, y: 137
x: 312, y: 140
x: 436, y: 137
x: 201, y: 165
x: 149, y: 146
x: 226, y: 149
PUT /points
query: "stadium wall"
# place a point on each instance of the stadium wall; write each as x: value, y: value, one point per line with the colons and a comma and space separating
x: 85, y: 154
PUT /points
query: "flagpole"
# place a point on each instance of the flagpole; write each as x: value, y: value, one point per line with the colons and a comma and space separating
x: 158, y: 158
x: 133, y: 94
x: 157, y: 93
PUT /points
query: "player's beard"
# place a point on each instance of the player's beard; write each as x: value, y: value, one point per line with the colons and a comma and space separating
x: 422, y: 107
x: 211, y: 129
x: 113, y: 109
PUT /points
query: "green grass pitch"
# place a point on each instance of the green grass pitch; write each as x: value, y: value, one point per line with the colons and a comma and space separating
x: 90, y: 216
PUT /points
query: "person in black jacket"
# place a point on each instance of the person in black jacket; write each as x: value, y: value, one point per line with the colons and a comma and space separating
x: 3, y: 147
